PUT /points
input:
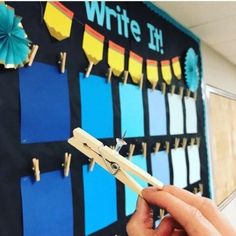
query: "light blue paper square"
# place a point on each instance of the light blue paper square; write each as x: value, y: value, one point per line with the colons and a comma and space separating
x: 131, y: 108
x: 176, y: 114
x: 99, y: 199
x: 160, y: 166
x: 179, y: 167
x: 96, y: 106
x: 130, y: 195
x: 194, y: 164
x: 157, y: 112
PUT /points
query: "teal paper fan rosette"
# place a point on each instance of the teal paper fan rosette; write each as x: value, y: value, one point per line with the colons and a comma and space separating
x: 14, y: 45
x: 191, y: 70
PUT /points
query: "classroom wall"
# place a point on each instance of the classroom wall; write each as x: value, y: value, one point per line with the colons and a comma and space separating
x: 217, y: 71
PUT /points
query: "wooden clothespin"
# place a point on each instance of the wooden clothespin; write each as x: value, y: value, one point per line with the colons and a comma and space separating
x: 125, y: 77
x: 36, y: 169
x: 198, y: 141
x: 141, y: 82
x: 181, y: 91
x: 162, y: 213
x: 188, y: 92
x: 157, y: 147
x: 177, y: 140
x: 62, y: 61
x: 184, y: 144
x: 154, y: 86
x: 89, y: 69
x: 91, y: 164
x: 192, y: 141
x: 201, y: 188
x: 195, y: 95
x: 172, y: 89
x: 144, y: 149
x: 167, y: 147
x: 66, y: 164
x: 111, y: 161
x: 195, y: 190
x: 131, y: 151
x: 33, y: 54
x: 109, y: 74
x: 163, y: 89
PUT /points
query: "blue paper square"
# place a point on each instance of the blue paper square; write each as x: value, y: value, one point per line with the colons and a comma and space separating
x: 131, y: 106
x: 45, y: 108
x: 96, y: 106
x: 99, y: 199
x: 160, y: 166
x: 47, y: 205
x: 130, y: 195
x: 157, y: 113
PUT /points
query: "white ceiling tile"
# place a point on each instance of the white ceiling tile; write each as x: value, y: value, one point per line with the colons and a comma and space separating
x: 197, y: 13
x: 232, y: 59
x: 218, y: 31
x: 226, y: 48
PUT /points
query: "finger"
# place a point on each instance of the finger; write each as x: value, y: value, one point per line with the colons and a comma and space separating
x: 141, y: 220
x: 143, y: 213
x: 167, y: 226
x: 205, y: 206
x: 179, y: 232
x: 189, y: 217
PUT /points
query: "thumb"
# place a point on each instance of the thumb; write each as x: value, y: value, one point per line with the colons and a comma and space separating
x: 141, y: 220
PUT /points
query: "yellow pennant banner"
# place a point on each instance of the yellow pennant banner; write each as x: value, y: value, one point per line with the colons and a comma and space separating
x: 152, y: 72
x: 176, y: 67
x: 58, y: 19
x: 116, y: 58
x: 166, y: 71
x: 93, y: 44
x: 135, y: 67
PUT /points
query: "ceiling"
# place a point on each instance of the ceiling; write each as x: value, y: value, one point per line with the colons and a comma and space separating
x: 213, y: 22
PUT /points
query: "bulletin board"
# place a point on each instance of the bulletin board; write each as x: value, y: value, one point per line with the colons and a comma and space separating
x: 40, y: 107
x: 222, y: 120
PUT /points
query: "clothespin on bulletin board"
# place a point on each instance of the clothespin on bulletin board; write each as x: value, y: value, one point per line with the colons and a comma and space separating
x: 125, y: 76
x: 192, y: 141
x: 184, y: 144
x: 109, y: 74
x: 141, y: 82
x: 35, y: 168
x: 198, y: 141
x: 181, y: 91
x: 157, y: 147
x: 172, y: 89
x: 162, y: 213
x: 66, y: 164
x: 144, y: 149
x: 177, y: 140
x: 167, y: 147
x: 188, y: 92
x: 131, y: 151
x: 91, y: 164
x: 32, y: 55
x: 201, y: 188
x: 163, y: 89
x: 195, y: 190
x: 62, y: 61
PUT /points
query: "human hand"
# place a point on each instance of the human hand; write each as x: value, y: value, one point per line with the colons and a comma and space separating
x: 189, y: 215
